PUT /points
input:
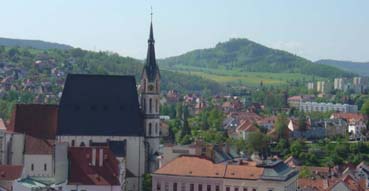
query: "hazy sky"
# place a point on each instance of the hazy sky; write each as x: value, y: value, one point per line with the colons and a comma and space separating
x: 314, y: 29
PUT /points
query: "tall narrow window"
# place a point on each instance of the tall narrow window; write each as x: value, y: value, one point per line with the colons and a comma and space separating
x: 150, y: 129
x: 157, y: 105
x: 199, y: 188
x: 156, y: 129
x: 158, y: 187
x: 73, y: 142
x: 208, y: 188
x: 45, y: 167
x: 192, y: 187
x: 175, y: 186
x: 144, y: 85
x: 32, y: 167
x: 150, y: 105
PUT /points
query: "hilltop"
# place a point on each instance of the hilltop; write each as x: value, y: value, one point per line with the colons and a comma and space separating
x: 36, y: 44
x: 361, y: 68
x: 238, y: 56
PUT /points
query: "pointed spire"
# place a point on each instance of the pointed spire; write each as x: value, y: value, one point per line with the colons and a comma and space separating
x: 151, y: 67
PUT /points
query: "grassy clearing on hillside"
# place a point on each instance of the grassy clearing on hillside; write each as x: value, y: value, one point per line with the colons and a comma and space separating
x: 241, y: 77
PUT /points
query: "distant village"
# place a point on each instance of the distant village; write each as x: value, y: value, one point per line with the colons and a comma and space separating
x: 104, y: 132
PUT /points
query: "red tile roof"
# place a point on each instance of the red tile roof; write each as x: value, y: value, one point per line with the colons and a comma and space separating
x: 37, y: 146
x: 10, y: 172
x: 349, y: 116
x: 36, y: 120
x: 203, y: 167
x: 248, y: 126
x: 83, y: 172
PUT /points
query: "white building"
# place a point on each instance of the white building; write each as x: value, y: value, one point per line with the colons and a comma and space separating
x: 325, y: 107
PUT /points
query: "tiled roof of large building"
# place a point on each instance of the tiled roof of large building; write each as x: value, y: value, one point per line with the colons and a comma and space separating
x: 37, y: 146
x: 202, y: 167
x: 10, y: 172
x: 92, y: 166
x: 35, y: 120
x: 100, y: 105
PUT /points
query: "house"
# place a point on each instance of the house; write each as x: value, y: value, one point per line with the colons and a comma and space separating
x: 190, y: 173
x: 93, y: 168
x: 355, y: 129
x: 8, y: 174
x: 245, y: 128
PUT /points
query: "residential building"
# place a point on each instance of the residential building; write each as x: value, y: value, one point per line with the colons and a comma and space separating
x: 322, y: 87
x: 9, y: 173
x: 194, y: 173
x: 325, y: 107
x: 311, y: 86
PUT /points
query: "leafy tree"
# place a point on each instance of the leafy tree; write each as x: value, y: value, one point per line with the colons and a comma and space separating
x: 147, y: 182
x: 296, y: 148
x: 302, y: 122
x: 365, y: 108
x: 305, y: 172
x: 281, y: 126
x: 257, y: 142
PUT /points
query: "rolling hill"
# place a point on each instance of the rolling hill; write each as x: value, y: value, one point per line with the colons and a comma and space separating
x: 361, y: 68
x: 238, y: 57
x: 36, y: 44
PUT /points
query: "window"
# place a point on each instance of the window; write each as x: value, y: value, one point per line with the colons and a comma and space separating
x: 270, y: 189
x: 208, y: 188
x: 192, y: 187
x: 254, y: 189
x: 236, y: 189
x: 228, y: 188
x: 245, y: 189
x: 175, y: 186
x: 166, y: 187
x: 150, y: 105
x: 32, y: 167
x: 82, y: 144
x: 73, y: 142
x: 156, y: 129
x: 199, y: 187
x: 157, y: 105
x: 217, y: 188
x: 150, y: 129
x: 183, y: 186
x: 45, y: 167
x: 158, y: 188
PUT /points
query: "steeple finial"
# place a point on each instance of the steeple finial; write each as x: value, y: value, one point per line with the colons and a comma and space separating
x: 151, y: 13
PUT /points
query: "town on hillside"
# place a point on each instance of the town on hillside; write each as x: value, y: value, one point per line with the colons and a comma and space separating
x: 76, y: 120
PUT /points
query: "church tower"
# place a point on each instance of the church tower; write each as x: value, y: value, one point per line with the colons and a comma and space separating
x: 150, y: 103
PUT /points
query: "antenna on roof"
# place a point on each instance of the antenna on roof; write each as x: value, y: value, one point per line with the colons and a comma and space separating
x: 151, y: 13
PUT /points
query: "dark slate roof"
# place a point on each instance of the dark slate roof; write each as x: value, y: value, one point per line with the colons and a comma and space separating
x: 151, y: 67
x: 118, y: 148
x: 100, y: 105
x: 36, y: 120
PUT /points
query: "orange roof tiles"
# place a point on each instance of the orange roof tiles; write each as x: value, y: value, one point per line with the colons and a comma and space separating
x: 202, y: 167
x: 192, y: 166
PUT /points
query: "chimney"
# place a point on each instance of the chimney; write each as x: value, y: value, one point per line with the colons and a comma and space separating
x: 101, y: 155
x: 93, y: 158
x: 209, y: 153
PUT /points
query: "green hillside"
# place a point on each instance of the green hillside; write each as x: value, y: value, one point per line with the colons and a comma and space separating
x: 36, y: 44
x: 361, y: 68
x: 88, y: 62
x: 242, y: 57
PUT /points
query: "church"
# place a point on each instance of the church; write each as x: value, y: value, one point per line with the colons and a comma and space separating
x: 98, y: 110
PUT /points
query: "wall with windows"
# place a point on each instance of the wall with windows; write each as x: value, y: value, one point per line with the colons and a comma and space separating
x: 260, y: 185
x: 182, y: 183
x: 38, y: 165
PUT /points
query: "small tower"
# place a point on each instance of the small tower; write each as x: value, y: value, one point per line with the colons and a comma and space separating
x: 150, y: 103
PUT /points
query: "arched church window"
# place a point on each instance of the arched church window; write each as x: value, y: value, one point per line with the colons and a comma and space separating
x: 150, y: 129
x: 157, y: 106
x: 156, y: 129
x: 144, y: 85
x: 157, y: 86
x: 150, y: 105
x: 82, y: 144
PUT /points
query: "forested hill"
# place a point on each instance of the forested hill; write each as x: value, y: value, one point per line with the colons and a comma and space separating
x: 53, y: 65
x: 36, y: 44
x: 245, y: 55
x: 361, y: 68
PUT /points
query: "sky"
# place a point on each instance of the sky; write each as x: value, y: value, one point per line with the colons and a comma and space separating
x: 314, y: 29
